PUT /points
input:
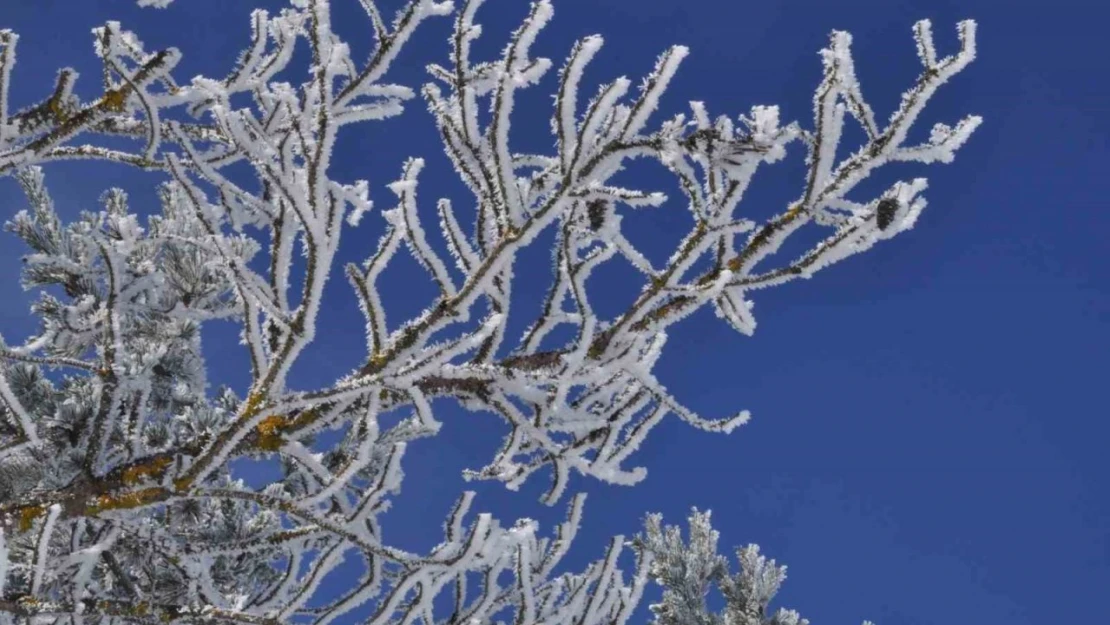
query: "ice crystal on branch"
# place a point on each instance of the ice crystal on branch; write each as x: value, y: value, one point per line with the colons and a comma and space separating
x: 116, y: 496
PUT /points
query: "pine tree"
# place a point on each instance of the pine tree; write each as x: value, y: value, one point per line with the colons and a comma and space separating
x: 117, y: 503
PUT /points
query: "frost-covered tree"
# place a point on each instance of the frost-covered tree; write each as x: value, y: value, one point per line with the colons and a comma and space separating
x: 116, y: 497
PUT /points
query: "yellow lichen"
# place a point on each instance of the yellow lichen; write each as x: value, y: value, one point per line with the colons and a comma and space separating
x: 115, y: 100
x: 56, y: 109
x: 141, y: 608
x: 124, y: 501
x: 269, y: 432
x: 253, y: 404
x: 304, y: 418
x: 377, y: 360
x: 134, y: 474
x: 28, y: 515
x: 271, y: 428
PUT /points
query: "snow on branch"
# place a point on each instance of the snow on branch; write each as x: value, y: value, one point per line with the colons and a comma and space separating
x: 117, y: 497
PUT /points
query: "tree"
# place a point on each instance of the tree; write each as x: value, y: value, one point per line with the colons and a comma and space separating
x: 117, y: 497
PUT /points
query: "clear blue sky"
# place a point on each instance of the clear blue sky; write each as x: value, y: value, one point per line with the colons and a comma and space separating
x: 927, y: 446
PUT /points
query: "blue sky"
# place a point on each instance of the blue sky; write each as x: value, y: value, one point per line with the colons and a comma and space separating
x: 926, y: 446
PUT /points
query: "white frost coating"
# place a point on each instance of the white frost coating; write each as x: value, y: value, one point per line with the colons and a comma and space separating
x: 12, y: 403
x: 737, y: 310
x: 406, y: 192
x: 8, y: 41
x: 597, y: 113
x: 566, y: 100
x: 125, y: 299
x: 654, y: 87
x: 517, y: 70
x: 465, y: 256
x: 4, y: 554
x: 42, y: 549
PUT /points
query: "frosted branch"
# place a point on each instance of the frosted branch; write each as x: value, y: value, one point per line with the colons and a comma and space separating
x: 119, y: 498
